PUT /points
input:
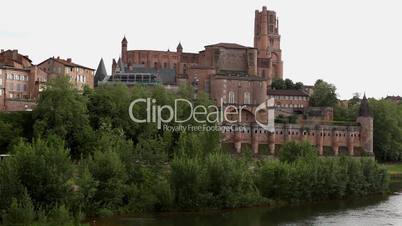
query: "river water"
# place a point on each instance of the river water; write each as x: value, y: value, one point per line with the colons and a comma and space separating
x: 373, y: 210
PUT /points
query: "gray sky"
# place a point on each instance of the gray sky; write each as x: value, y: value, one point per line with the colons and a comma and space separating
x: 355, y: 45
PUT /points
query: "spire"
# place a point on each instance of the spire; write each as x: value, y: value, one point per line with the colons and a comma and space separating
x: 179, y: 48
x: 101, y: 73
x: 120, y: 65
x: 124, y: 40
x: 364, y: 107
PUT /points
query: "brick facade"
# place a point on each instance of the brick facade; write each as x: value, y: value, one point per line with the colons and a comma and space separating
x: 80, y: 76
x: 21, y: 82
x: 234, y: 74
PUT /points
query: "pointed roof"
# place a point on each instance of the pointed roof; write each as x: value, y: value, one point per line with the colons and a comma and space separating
x: 101, y: 73
x: 120, y: 65
x: 364, y: 107
x: 124, y: 40
x: 179, y: 46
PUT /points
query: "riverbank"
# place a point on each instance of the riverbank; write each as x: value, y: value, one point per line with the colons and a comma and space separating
x: 299, y: 182
x: 394, y: 169
x: 372, y: 210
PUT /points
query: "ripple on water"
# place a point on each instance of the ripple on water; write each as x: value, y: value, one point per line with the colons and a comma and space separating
x: 366, y: 211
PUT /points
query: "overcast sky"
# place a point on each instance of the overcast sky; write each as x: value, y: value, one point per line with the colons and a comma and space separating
x: 354, y: 44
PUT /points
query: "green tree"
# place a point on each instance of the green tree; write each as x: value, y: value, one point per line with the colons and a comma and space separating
x: 21, y: 212
x: 62, y: 111
x: 324, y: 95
x: 109, y: 104
x: 286, y: 84
x: 187, y: 178
x: 10, y: 185
x: 14, y: 126
x: 387, y: 129
x: 109, y: 172
x: 87, y: 188
x: 291, y: 151
x: 44, y: 168
x: 229, y: 181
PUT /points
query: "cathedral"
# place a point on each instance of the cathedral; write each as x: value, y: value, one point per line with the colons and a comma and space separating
x: 234, y: 74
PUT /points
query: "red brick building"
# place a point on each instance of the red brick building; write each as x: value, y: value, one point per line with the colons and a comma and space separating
x: 240, y: 75
x: 80, y: 76
x: 21, y: 82
x: 289, y: 98
x: 263, y: 61
x: 268, y: 42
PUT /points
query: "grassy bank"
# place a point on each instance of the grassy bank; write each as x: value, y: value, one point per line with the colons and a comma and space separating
x: 394, y: 169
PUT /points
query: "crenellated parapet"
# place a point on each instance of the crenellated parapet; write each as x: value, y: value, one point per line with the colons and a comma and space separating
x: 323, y: 137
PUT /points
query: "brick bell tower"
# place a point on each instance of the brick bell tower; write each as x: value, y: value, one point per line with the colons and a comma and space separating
x: 124, y: 44
x: 267, y: 42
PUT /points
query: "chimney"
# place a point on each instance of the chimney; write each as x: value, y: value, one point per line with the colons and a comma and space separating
x: 15, y: 54
x: 2, y: 50
x: 58, y: 57
x: 69, y: 60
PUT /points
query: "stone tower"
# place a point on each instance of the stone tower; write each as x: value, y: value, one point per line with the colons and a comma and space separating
x: 366, y: 126
x: 179, y: 48
x: 124, y: 44
x: 267, y: 42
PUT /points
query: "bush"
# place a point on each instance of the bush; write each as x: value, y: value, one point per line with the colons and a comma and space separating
x: 229, y: 182
x: 318, y: 179
x: 87, y: 188
x: 291, y: 151
x: 21, y: 212
x: 108, y: 170
x: 10, y: 185
x: 44, y: 169
x: 187, y: 179
x: 14, y: 126
x: 60, y: 216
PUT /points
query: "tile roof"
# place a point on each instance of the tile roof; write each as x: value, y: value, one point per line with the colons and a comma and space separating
x: 67, y: 63
x: 229, y: 45
x: 286, y: 92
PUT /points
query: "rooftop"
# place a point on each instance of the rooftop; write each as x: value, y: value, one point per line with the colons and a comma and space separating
x: 287, y: 92
x: 67, y: 62
x: 229, y: 46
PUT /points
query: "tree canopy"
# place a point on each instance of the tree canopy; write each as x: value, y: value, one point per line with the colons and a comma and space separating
x: 286, y: 84
x: 324, y: 95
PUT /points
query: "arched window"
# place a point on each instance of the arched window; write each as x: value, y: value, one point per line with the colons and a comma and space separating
x: 247, y: 99
x: 231, y: 97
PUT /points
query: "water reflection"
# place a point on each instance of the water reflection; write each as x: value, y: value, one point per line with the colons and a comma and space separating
x: 374, y: 210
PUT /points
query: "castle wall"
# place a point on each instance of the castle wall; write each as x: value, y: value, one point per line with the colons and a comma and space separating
x: 322, y: 137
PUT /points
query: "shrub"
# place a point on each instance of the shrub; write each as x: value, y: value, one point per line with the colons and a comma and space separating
x: 21, y: 212
x: 291, y: 151
x: 309, y: 180
x: 60, y: 216
x: 45, y: 169
x: 228, y: 181
x: 109, y: 172
x: 10, y: 185
x: 187, y: 179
